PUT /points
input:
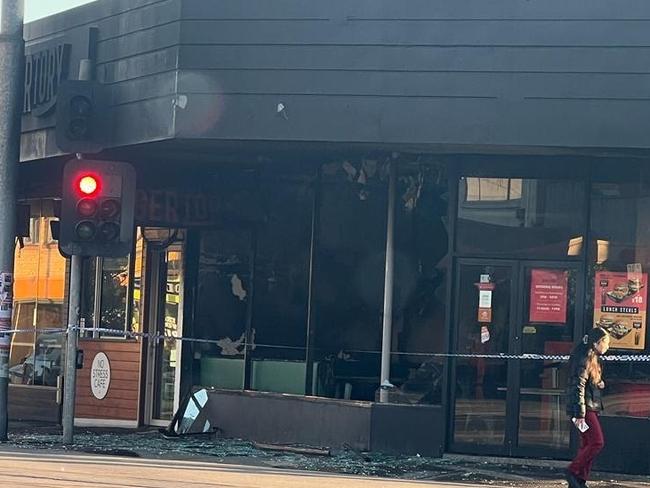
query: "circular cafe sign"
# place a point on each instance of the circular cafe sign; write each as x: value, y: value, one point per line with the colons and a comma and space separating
x: 100, y: 376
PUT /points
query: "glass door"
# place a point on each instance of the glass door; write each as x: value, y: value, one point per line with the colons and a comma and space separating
x: 164, y: 363
x: 513, y: 406
x: 547, y: 324
x: 484, y: 312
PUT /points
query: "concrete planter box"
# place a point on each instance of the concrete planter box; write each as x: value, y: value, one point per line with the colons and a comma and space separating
x: 323, y: 422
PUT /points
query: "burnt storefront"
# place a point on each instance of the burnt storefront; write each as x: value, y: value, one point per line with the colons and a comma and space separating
x: 498, y: 174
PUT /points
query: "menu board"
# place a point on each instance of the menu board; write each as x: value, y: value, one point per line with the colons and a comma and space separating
x: 548, y: 296
x: 620, y: 305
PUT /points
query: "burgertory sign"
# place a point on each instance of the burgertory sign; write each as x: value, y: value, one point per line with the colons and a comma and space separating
x: 45, y: 69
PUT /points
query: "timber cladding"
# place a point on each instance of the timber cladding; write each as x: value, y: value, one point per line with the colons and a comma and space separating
x: 122, y: 400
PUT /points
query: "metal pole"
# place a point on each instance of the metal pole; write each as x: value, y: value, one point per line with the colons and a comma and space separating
x: 70, y: 373
x: 311, y: 300
x: 12, y: 56
x: 86, y: 68
x: 388, y: 286
x: 248, y: 331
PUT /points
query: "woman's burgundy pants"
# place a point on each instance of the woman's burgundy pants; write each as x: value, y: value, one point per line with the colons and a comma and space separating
x: 592, y: 442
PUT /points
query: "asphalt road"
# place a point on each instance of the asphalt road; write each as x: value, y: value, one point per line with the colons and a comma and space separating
x: 34, y: 469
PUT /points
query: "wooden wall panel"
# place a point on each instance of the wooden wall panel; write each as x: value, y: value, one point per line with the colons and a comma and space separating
x: 123, y: 398
x: 33, y: 403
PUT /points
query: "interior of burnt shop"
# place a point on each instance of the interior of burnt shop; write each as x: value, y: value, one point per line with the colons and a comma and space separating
x: 297, y: 257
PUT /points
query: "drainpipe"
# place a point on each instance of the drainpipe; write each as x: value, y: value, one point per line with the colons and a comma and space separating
x: 388, y: 286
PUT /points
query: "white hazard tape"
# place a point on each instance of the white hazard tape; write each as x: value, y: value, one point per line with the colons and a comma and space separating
x: 162, y: 337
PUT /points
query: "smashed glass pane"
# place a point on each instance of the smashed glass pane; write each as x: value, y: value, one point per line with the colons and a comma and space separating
x: 191, y: 417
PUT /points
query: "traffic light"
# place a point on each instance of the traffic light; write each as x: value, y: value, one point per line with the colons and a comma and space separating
x: 81, y: 115
x: 97, y: 208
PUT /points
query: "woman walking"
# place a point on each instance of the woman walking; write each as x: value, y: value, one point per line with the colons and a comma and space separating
x: 584, y: 402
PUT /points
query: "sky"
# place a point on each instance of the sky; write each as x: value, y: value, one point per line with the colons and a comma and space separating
x: 36, y: 9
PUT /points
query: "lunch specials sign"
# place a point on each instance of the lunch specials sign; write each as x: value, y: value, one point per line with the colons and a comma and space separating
x: 620, y: 306
x: 548, y: 296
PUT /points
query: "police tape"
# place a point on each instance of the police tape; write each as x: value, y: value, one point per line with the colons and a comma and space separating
x: 158, y: 337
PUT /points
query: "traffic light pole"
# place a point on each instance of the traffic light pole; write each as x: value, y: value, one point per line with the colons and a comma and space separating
x: 74, y: 308
x: 70, y: 373
x: 11, y: 95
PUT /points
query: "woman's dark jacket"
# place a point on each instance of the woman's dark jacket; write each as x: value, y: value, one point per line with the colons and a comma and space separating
x: 581, y: 393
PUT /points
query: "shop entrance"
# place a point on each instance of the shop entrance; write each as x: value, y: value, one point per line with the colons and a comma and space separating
x: 512, y: 406
x: 164, y: 264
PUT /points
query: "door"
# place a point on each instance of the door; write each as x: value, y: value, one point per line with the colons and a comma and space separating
x: 548, y: 322
x: 165, y: 267
x: 505, y: 405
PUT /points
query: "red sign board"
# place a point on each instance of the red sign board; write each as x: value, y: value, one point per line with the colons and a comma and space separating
x: 548, y: 296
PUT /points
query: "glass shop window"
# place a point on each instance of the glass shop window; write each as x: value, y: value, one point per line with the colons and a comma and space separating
x: 105, y: 292
x: 617, y: 290
x: 492, y: 189
x: 520, y: 217
x: 39, y: 302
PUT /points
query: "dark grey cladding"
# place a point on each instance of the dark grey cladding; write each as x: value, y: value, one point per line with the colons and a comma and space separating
x: 552, y: 73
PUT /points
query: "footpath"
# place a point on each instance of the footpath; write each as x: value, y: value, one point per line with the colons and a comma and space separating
x: 150, y: 444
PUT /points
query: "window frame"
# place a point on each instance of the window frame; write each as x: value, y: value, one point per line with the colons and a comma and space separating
x: 34, y: 237
x: 92, y: 332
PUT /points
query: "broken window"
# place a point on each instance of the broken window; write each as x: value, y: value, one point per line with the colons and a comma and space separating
x: 420, y: 289
x: 282, y: 286
x: 349, y: 279
x: 222, y: 303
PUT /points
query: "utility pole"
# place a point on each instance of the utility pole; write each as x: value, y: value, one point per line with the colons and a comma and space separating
x: 12, y: 59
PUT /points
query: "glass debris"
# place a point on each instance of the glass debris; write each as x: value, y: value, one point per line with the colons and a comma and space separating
x: 451, y: 468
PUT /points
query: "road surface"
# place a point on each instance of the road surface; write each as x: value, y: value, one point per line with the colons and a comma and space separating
x: 52, y: 470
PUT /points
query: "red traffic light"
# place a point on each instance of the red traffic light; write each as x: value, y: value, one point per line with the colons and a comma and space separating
x: 88, y: 185
x: 97, y: 208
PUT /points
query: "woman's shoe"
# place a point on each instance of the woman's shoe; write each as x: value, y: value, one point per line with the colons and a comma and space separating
x: 573, y: 480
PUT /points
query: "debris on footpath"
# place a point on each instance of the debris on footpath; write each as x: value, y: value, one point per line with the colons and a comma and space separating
x: 212, y: 447
x: 309, y: 451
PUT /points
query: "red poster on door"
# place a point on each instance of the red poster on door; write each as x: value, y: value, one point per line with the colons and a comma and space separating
x: 548, y: 295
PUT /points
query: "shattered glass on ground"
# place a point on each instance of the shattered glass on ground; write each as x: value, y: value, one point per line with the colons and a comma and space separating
x: 209, y: 447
